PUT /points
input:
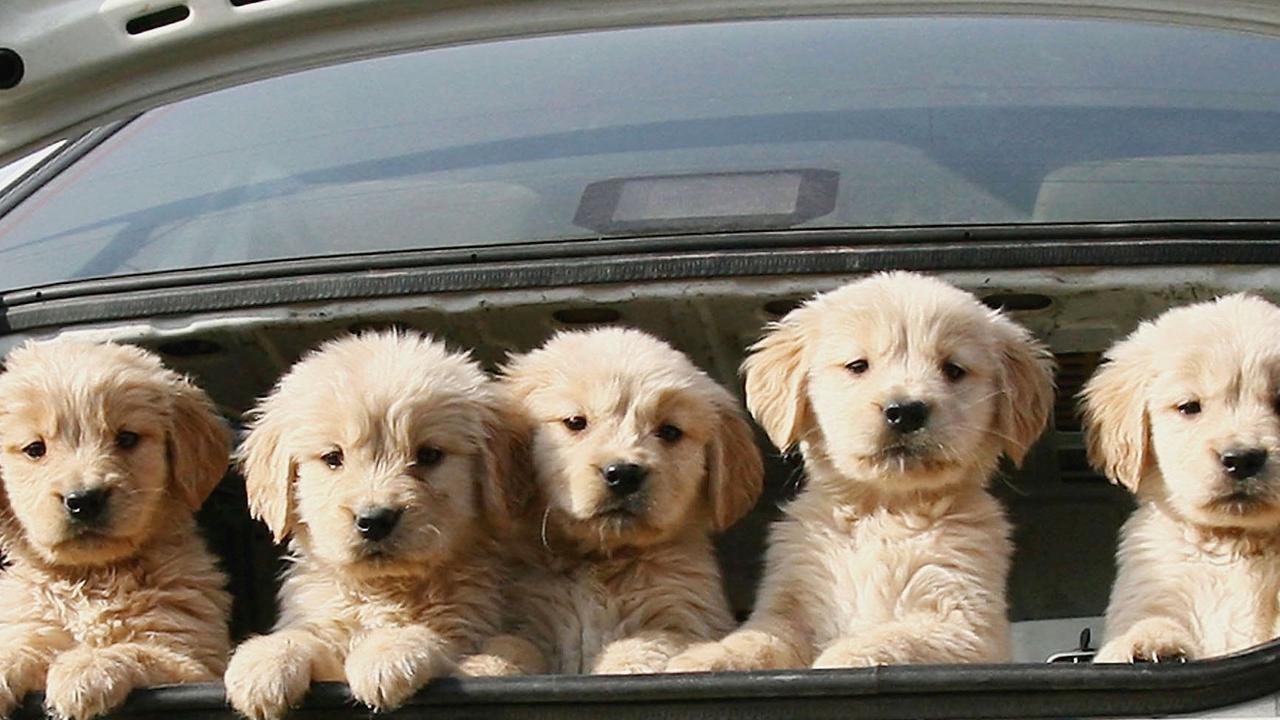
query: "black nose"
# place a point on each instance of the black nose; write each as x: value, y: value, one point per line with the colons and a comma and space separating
x: 1242, y: 463
x: 376, y: 524
x: 85, y: 505
x: 624, y: 478
x: 906, y: 416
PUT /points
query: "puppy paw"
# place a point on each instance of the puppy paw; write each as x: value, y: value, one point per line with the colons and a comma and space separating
x: 18, y: 676
x: 87, y: 682
x: 705, y: 657
x: 1156, y: 640
x: 267, y: 676
x: 8, y: 701
x: 384, y: 671
x: 504, y: 656
x: 847, y: 654
x: 631, y: 657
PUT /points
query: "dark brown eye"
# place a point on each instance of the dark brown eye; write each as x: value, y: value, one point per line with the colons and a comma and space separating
x: 35, y: 450
x: 428, y: 456
x: 333, y: 459
x: 953, y: 372
x: 126, y: 440
x: 670, y: 433
x: 577, y: 423
x: 857, y: 367
x: 1189, y: 408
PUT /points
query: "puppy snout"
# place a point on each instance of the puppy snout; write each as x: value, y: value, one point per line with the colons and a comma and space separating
x: 624, y: 478
x: 906, y: 416
x: 376, y: 524
x: 85, y: 505
x: 1243, y: 463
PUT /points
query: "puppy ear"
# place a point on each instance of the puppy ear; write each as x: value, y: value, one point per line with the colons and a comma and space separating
x: 269, y: 472
x: 506, y: 479
x: 776, y: 380
x: 1027, y: 367
x: 1117, y: 430
x: 735, y: 471
x: 199, y: 444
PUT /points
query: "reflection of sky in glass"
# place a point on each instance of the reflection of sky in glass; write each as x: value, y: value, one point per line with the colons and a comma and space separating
x: 927, y: 121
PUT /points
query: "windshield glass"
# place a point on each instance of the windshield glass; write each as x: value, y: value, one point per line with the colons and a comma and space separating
x: 767, y: 124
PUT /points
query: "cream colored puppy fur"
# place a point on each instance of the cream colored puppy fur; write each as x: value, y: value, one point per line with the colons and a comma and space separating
x: 618, y: 571
x: 894, y: 552
x: 122, y: 592
x: 375, y: 426
x: 1170, y: 415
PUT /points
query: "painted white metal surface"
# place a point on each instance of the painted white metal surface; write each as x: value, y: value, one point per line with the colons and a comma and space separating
x: 83, y: 68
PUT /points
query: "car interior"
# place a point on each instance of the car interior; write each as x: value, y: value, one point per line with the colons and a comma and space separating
x: 1065, y: 515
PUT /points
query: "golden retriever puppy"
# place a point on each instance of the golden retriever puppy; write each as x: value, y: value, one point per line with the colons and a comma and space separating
x: 1184, y: 413
x: 902, y: 393
x: 638, y: 457
x: 386, y: 459
x: 105, y: 455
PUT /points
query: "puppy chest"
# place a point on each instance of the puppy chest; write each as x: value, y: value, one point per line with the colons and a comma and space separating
x: 103, y: 614
x: 576, y: 615
x: 882, y: 571
x: 1236, y: 607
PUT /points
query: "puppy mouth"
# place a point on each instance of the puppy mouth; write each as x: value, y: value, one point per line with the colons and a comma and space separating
x: 1240, y: 502
x: 617, y: 512
x: 907, y: 455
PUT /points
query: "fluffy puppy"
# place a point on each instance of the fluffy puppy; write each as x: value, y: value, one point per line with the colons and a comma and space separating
x: 1184, y: 413
x: 901, y: 392
x: 386, y: 459
x: 638, y: 458
x: 105, y: 456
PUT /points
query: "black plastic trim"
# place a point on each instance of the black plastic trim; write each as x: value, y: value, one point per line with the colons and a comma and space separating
x: 970, y: 236
x: 987, y: 691
x: 308, y: 281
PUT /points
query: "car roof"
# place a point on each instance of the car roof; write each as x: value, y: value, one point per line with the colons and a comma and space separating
x: 71, y: 65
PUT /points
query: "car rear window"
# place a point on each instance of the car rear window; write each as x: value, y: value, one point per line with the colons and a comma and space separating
x: 825, y: 123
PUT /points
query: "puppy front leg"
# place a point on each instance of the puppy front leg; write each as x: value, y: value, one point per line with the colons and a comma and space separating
x: 389, y: 665
x: 88, y: 681
x: 26, y: 652
x: 269, y: 674
x: 502, y: 656
x: 1152, y: 639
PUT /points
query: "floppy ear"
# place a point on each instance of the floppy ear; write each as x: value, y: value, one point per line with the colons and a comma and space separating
x: 1117, y: 430
x: 199, y: 444
x: 776, y: 379
x: 269, y: 472
x: 506, y: 480
x: 1027, y: 368
x: 735, y: 471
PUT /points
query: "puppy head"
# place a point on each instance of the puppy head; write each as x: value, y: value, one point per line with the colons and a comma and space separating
x: 381, y: 454
x: 1188, y: 404
x: 98, y: 444
x: 631, y: 442
x: 901, y: 380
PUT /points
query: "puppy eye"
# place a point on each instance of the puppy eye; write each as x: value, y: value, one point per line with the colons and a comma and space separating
x: 333, y: 459
x: 670, y: 433
x: 1189, y: 408
x: 428, y: 456
x: 35, y: 450
x: 953, y: 372
x: 857, y: 367
x: 577, y: 423
x: 126, y: 440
